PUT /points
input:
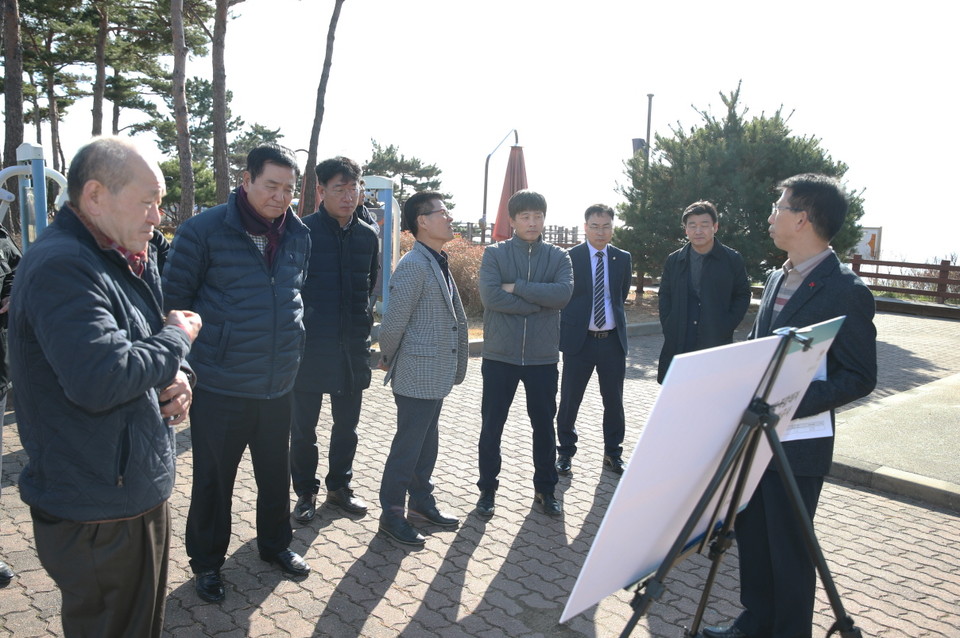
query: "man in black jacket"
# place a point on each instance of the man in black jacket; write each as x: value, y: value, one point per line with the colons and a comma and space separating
x: 100, y: 379
x: 341, y: 274
x: 704, y: 290
x: 778, y: 579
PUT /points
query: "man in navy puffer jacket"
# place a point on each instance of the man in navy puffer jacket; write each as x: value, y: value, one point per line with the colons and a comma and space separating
x: 340, y: 278
x: 241, y: 266
x: 100, y: 380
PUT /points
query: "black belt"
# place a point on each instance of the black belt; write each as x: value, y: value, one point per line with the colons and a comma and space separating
x: 599, y: 334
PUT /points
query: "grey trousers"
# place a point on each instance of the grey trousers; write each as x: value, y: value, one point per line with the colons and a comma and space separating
x: 412, y: 457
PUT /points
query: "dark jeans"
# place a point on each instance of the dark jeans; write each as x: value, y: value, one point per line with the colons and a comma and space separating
x: 606, y: 356
x: 222, y: 427
x: 778, y: 579
x: 413, y: 455
x: 500, y: 381
x: 304, y: 455
x: 112, y: 576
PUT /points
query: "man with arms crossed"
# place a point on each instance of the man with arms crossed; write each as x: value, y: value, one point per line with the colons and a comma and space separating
x: 704, y: 291
x: 777, y: 576
x: 341, y: 275
x: 593, y: 336
x: 100, y: 379
x: 241, y: 265
x: 524, y: 282
x: 423, y: 344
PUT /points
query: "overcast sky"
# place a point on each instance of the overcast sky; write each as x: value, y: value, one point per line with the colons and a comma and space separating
x: 446, y: 81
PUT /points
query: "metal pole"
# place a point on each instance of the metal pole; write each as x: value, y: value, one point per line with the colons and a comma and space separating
x: 388, y: 244
x: 486, y: 174
x: 32, y: 190
x: 646, y: 151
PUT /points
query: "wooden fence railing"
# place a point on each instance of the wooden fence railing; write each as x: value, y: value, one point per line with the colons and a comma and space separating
x: 942, y: 285
x: 563, y: 236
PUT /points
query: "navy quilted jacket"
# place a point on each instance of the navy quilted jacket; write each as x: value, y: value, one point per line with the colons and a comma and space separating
x: 336, y: 297
x: 252, y: 336
x: 88, y: 352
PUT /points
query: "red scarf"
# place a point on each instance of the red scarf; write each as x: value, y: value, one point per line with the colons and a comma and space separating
x: 257, y: 225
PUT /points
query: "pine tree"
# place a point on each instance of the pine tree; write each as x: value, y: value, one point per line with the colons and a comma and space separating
x: 735, y: 163
x: 413, y: 175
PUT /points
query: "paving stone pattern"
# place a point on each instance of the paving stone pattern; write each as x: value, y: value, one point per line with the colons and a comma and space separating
x: 895, y: 561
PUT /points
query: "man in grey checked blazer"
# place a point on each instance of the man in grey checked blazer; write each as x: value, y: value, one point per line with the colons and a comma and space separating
x: 423, y: 345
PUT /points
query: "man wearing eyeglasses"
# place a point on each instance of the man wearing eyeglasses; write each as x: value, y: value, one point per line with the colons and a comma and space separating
x: 593, y: 336
x: 423, y: 347
x: 704, y: 291
x: 777, y: 576
x: 341, y: 274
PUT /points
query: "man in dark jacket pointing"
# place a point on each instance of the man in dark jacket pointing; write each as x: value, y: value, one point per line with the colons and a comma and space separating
x: 100, y: 379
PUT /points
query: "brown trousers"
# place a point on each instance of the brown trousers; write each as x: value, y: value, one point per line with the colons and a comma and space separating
x: 112, y: 576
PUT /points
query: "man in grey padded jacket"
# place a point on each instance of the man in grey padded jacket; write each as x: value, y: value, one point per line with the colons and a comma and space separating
x: 524, y: 283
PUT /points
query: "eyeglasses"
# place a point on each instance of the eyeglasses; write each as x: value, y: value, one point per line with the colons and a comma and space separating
x: 439, y: 210
x: 774, y: 209
x: 340, y: 191
x: 605, y: 228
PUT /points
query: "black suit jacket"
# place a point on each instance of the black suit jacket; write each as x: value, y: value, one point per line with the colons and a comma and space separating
x: 829, y: 291
x: 575, y: 317
x: 724, y: 299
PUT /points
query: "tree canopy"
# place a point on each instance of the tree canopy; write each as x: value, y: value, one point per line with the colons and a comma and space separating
x: 733, y: 162
x: 414, y: 175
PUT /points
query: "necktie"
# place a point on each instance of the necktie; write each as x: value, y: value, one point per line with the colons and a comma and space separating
x: 599, y: 315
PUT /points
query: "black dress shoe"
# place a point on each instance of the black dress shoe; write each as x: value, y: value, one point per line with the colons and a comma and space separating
x: 345, y: 500
x: 306, y: 508
x: 724, y: 632
x: 551, y: 506
x: 614, y: 463
x: 6, y: 574
x: 210, y: 586
x: 563, y: 464
x: 290, y: 562
x: 486, y: 505
x: 433, y: 515
x: 401, y: 531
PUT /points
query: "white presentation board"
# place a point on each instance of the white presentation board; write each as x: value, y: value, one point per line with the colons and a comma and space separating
x: 693, y: 420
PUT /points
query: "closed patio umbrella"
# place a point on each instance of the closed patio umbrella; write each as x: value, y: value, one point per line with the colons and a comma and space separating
x: 515, y: 180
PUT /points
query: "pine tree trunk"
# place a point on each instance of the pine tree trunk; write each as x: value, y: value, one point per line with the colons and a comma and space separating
x: 115, y: 127
x: 221, y: 167
x: 180, y: 111
x: 99, y: 85
x: 12, y: 97
x: 308, y: 199
x: 54, y: 122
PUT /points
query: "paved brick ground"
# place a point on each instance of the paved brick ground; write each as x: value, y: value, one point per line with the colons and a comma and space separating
x: 895, y: 561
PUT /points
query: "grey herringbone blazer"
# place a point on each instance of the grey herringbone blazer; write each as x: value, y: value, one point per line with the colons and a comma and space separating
x: 423, y: 335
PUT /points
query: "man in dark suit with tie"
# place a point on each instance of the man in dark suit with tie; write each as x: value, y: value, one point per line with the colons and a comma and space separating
x: 593, y: 336
x: 777, y: 576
